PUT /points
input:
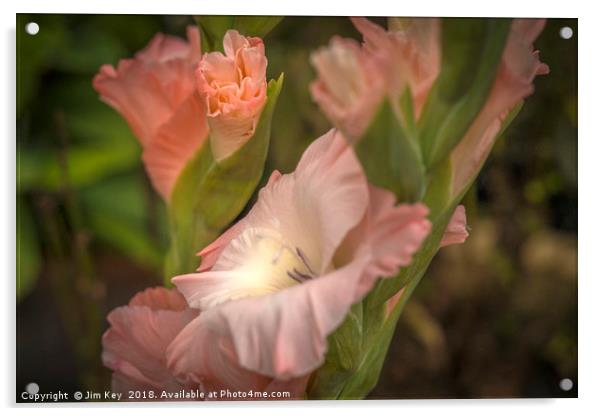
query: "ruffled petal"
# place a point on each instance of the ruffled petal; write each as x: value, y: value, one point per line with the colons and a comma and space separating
x: 176, y: 142
x: 514, y: 81
x: 349, y: 87
x: 134, y: 346
x: 147, y: 90
x: 200, y: 355
x: 282, y: 335
x: 235, y: 88
x: 393, y: 234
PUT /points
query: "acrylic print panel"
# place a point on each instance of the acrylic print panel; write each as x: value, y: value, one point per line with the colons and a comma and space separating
x: 282, y: 208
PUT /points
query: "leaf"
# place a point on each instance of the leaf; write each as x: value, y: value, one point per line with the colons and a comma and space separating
x: 100, y: 142
x: 213, y: 28
x: 208, y: 195
x: 35, y: 54
x: 471, y: 52
x: 342, y: 358
x: 117, y: 214
x: 28, y: 251
x: 390, y: 153
x: 377, y: 343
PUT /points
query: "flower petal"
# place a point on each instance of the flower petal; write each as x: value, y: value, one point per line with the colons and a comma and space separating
x: 456, y: 231
x: 514, y: 81
x: 282, y: 335
x: 200, y: 355
x: 176, y: 142
x: 147, y: 90
x: 134, y: 345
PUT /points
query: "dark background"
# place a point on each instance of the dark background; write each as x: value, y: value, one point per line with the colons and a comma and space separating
x: 495, y: 317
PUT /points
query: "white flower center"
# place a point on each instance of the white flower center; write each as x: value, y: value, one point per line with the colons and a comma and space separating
x: 260, y: 261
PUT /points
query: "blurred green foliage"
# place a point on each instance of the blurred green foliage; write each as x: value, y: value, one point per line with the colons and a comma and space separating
x: 102, y: 158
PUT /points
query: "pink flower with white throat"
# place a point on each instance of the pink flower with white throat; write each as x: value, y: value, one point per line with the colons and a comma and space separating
x: 234, y: 85
x: 277, y: 283
x: 155, y: 93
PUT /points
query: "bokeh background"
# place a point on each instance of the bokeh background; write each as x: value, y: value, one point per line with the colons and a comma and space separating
x: 495, y: 317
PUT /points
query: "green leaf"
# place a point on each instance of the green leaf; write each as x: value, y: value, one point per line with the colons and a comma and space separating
x: 353, y: 348
x: 390, y: 154
x: 93, y: 153
x: 36, y: 54
x: 117, y: 213
x: 208, y: 195
x: 471, y: 53
x: 213, y: 28
x: 28, y: 251
x: 378, y: 328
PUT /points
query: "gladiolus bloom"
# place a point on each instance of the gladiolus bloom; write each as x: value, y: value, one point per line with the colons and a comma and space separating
x: 353, y: 80
x: 134, y: 346
x: 514, y: 81
x: 155, y: 93
x: 276, y: 284
x: 350, y: 85
x: 411, y: 54
x: 234, y: 85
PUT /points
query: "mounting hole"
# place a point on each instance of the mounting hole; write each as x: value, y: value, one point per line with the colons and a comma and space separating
x: 566, y: 32
x: 566, y: 384
x: 32, y: 28
x: 32, y: 388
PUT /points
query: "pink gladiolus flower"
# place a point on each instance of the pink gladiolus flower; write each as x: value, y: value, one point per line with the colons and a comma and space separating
x: 350, y: 85
x: 234, y: 85
x: 135, y: 344
x: 155, y: 92
x: 514, y: 81
x: 274, y: 286
x: 353, y: 80
x: 411, y: 54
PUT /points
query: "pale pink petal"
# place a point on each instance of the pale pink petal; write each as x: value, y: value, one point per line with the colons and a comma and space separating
x: 146, y: 90
x: 215, y: 70
x: 134, y: 346
x: 457, y: 230
x: 410, y: 54
x: 393, y: 233
x: 176, y: 142
x: 211, y: 253
x: 349, y: 86
x: 514, y: 81
x: 156, y: 94
x: 282, y: 335
x: 235, y: 88
x: 319, y: 203
x: 200, y: 355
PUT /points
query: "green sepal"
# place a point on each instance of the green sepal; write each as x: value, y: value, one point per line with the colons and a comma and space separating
x: 471, y: 53
x: 213, y: 28
x: 389, y: 151
x: 351, y: 349
x: 209, y: 195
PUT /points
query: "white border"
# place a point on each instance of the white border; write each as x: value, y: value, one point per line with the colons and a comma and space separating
x: 590, y: 209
